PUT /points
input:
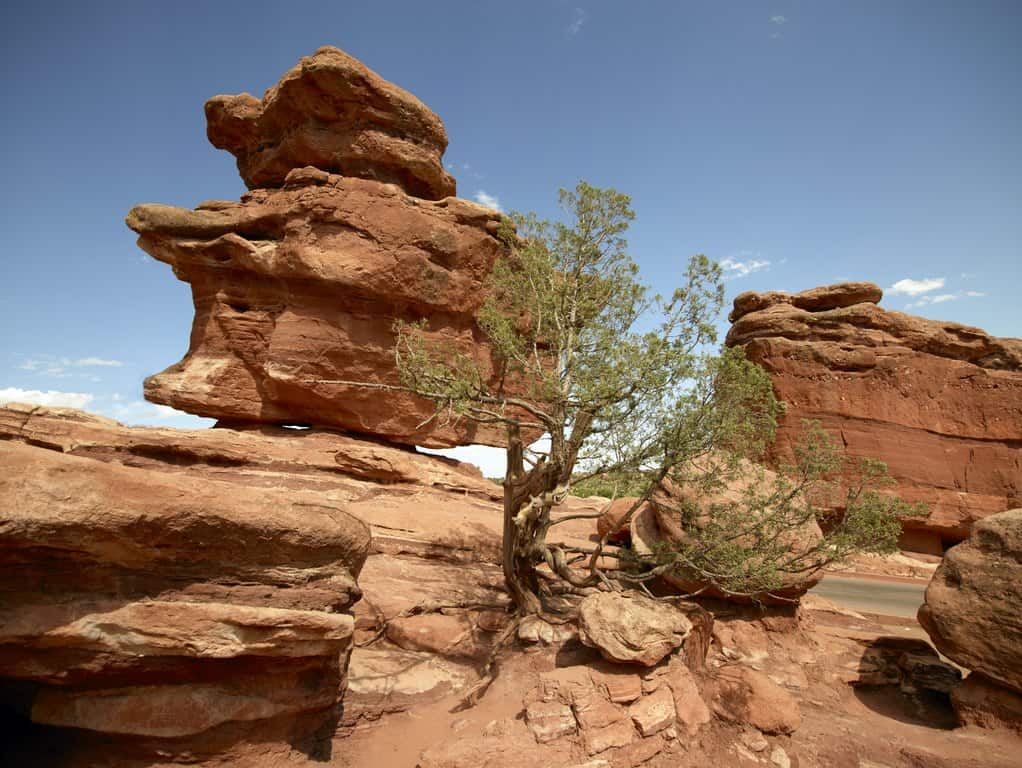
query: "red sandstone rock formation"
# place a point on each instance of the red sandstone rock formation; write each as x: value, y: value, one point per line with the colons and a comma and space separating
x: 333, y: 112
x: 185, y: 592
x: 298, y: 288
x: 940, y: 403
x: 972, y: 613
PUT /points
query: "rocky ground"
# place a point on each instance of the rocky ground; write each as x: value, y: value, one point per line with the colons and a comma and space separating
x: 837, y: 670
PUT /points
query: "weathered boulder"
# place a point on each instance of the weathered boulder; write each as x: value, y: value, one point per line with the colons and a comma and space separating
x: 972, y: 603
x: 939, y: 403
x: 297, y: 289
x: 334, y: 113
x: 679, y: 511
x: 743, y: 695
x: 631, y: 628
x: 148, y: 594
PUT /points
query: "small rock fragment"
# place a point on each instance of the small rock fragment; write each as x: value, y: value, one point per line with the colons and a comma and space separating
x: 652, y: 714
x: 549, y: 721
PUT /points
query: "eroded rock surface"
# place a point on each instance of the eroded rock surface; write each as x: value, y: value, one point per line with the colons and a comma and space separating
x: 149, y: 590
x: 333, y: 112
x: 940, y: 403
x: 297, y: 289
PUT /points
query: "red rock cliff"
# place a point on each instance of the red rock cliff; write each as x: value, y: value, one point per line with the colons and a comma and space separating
x: 940, y: 403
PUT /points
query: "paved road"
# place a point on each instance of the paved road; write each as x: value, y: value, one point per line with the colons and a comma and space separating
x: 888, y: 598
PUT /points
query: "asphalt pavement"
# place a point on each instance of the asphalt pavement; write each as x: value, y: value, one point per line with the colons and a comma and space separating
x: 887, y: 598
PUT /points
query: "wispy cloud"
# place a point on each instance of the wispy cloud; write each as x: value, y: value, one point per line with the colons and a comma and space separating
x: 490, y: 201
x: 940, y: 298
x: 96, y: 362
x: 778, y: 20
x: 745, y: 265
x: 49, y: 397
x: 912, y: 287
x: 62, y: 367
x: 578, y: 20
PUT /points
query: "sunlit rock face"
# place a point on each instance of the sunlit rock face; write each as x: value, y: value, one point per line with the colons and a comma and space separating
x: 297, y: 289
x: 940, y: 403
x: 349, y: 226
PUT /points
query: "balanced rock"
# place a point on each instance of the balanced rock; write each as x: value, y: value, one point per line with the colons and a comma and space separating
x: 148, y: 594
x: 972, y: 603
x: 334, y: 113
x: 631, y: 628
x: 939, y: 403
x: 296, y: 290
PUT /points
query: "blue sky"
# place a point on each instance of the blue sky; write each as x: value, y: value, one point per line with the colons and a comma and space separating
x: 800, y: 143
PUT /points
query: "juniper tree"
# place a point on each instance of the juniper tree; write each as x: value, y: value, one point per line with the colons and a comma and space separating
x: 621, y: 381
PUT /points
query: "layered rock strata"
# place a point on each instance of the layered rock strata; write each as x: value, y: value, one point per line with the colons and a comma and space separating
x: 297, y: 287
x: 939, y: 403
x: 972, y: 615
x: 155, y: 598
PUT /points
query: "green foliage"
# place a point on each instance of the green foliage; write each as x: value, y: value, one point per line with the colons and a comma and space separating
x: 629, y: 390
x: 610, y: 485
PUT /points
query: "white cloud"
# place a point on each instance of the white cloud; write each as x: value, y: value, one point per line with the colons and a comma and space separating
x: 915, y: 287
x: 49, y: 397
x: 86, y: 362
x: 940, y: 298
x: 778, y: 19
x: 734, y: 268
x: 50, y: 365
x: 490, y: 201
x: 578, y: 21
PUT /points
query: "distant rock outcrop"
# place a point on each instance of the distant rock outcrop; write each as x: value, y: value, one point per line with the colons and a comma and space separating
x: 332, y: 112
x: 350, y: 226
x: 940, y: 403
x: 972, y: 612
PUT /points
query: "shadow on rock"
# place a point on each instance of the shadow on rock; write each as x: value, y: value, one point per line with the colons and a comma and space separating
x: 904, y: 679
